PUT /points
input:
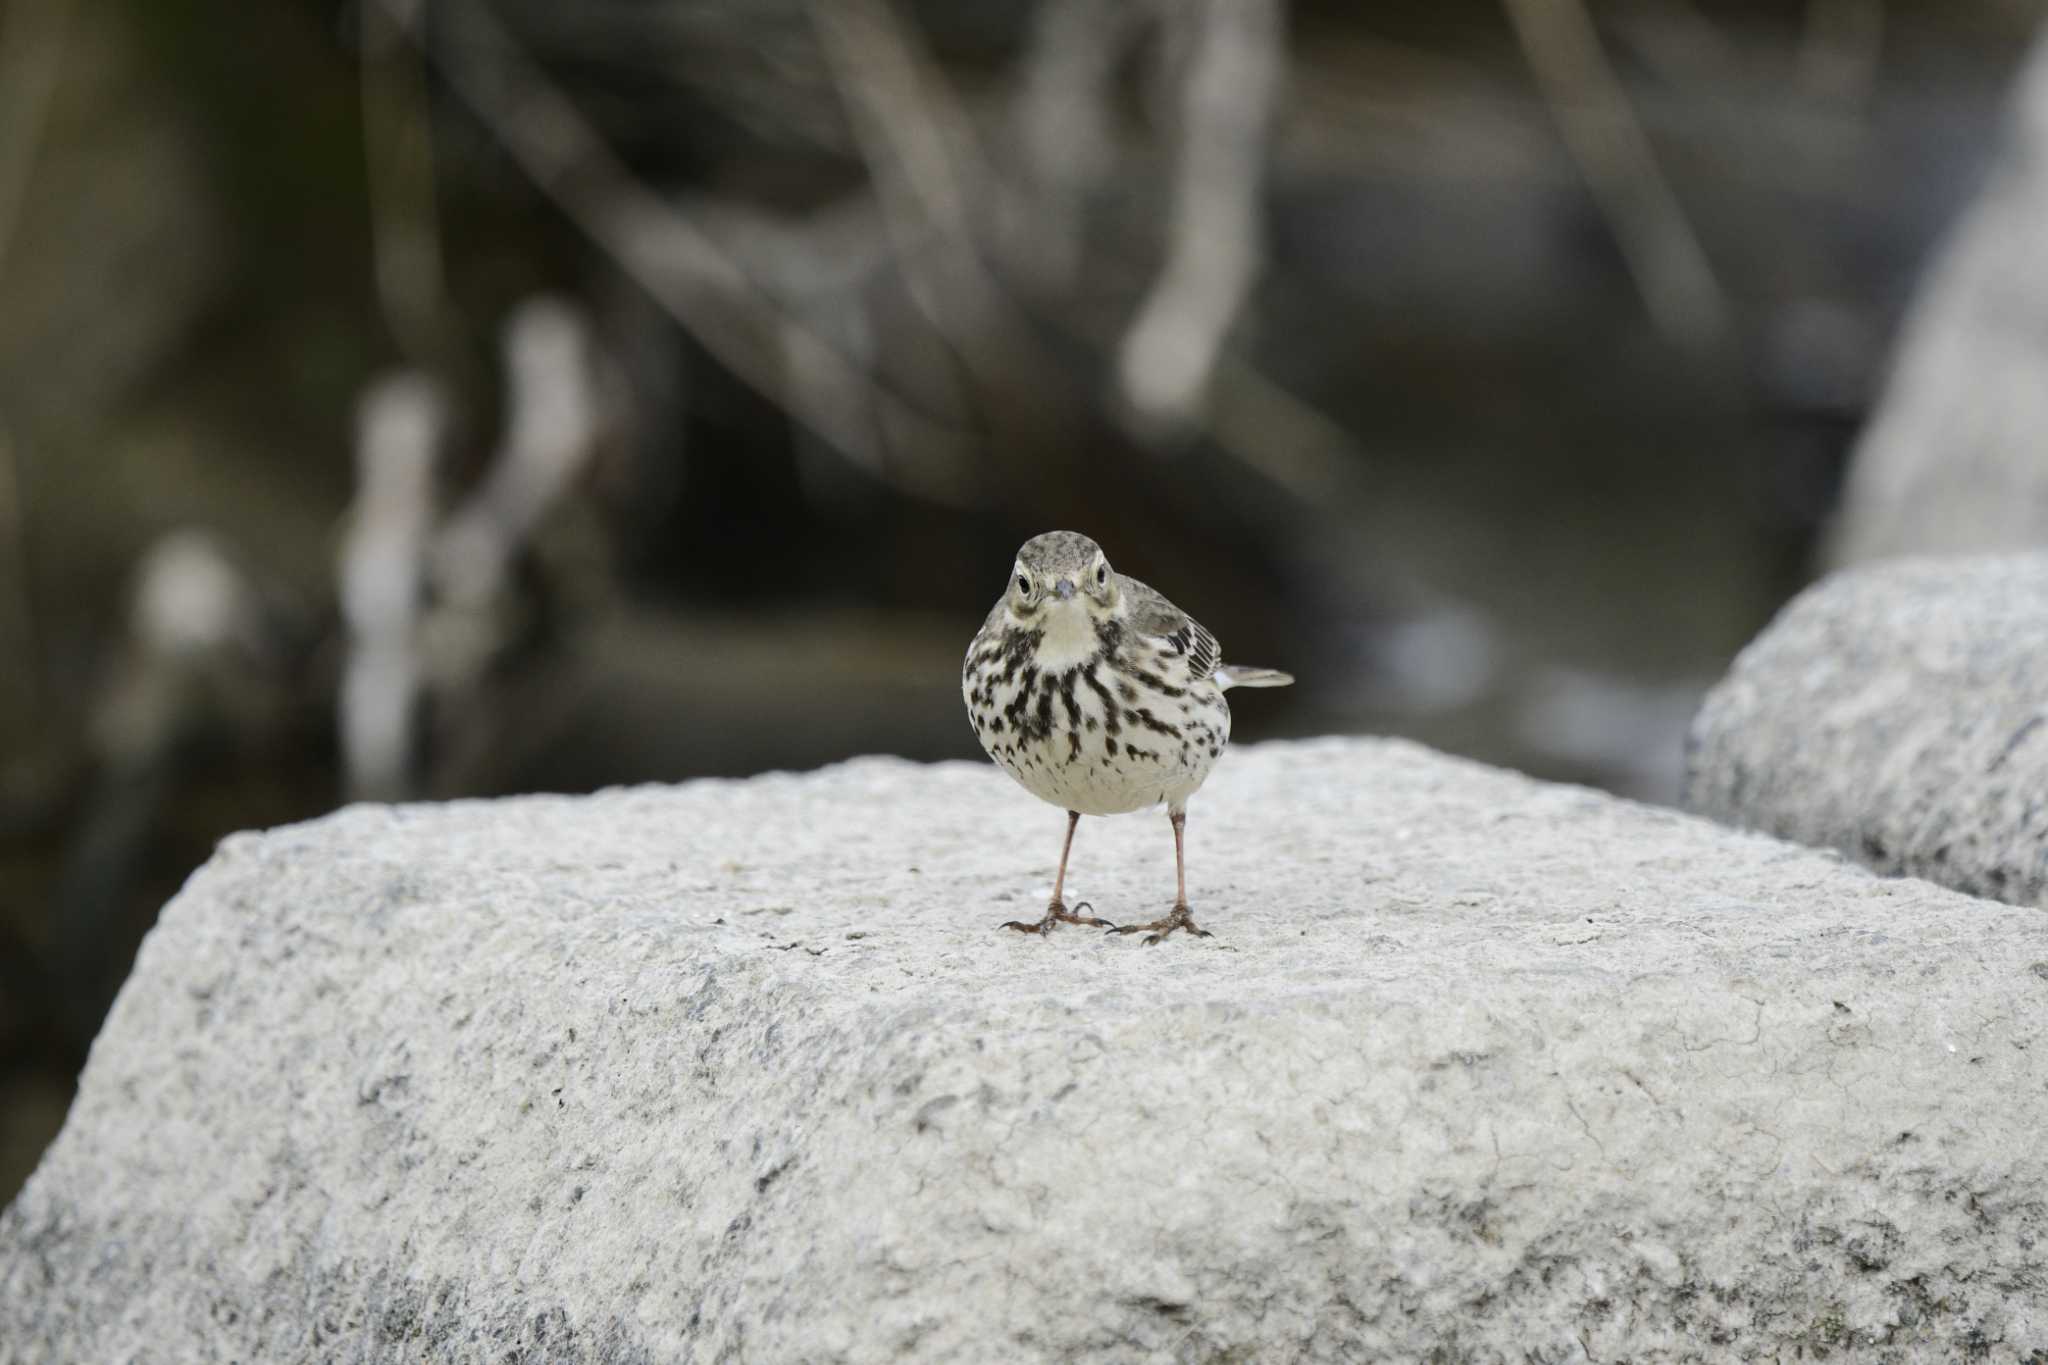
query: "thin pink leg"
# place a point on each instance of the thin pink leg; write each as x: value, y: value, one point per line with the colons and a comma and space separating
x: 1057, y: 912
x: 1179, y: 917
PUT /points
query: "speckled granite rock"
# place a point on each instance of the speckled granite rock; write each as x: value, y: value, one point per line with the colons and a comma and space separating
x: 1951, y: 461
x: 1474, y: 1066
x: 1895, y: 713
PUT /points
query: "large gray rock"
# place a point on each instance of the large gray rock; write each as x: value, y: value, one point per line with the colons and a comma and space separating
x: 1955, y: 459
x: 1474, y: 1066
x: 1895, y: 713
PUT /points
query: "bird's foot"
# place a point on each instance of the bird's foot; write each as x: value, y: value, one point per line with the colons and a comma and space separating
x: 1179, y: 918
x: 1057, y: 914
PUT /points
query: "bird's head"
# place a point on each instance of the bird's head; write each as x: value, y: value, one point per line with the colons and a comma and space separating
x: 1061, y: 572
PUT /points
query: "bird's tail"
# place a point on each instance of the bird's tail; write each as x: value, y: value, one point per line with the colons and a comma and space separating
x: 1237, y: 675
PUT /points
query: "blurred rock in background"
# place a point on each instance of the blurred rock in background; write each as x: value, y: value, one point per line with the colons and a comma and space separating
x: 408, y: 400
x: 1953, y: 461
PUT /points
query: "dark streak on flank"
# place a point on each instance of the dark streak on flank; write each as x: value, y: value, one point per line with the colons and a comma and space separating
x: 1158, y: 684
x: 1156, y: 725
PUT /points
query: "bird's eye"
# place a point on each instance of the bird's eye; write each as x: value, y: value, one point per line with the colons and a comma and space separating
x: 1101, y: 575
x: 1023, y: 585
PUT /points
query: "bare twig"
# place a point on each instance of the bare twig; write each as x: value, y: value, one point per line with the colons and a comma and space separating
x: 783, y: 303
x: 1226, y: 102
x: 1278, y: 434
x: 912, y: 136
x: 825, y: 268
x: 398, y: 164
x: 1064, y: 132
x: 942, y: 203
x: 554, y: 421
x: 1675, y: 42
x: 1614, y: 155
x: 828, y: 254
x: 551, y: 430
x: 400, y: 427
x: 935, y: 194
x: 928, y: 179
x: 682, y: 268
x: 17, y: 605
x: 1839, y: 53
x: 32, y: 46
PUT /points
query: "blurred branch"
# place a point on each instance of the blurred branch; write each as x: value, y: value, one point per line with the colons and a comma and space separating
x: 1675, y: 42
x: 681, y: 267
x: 1064, y: 129
x: 824, y: 268
x: 552, y: 424
x: 398, y: 164
x: 1614, y: 154
x: 554, y: 421
x: 17, y: 606
x: 32, y: 46
x: 943, y: 204
x: 930, y: 183
x: 194, y: 663
x: 912, y: 135
x: 429, y: 609
x: 783, y: 305
x: 1279, y: 434
x: 910, y: 142
x: 400, y: 427
x: 1227, y: 98
x: 829, y: 253
x: 1838, y: 56
x: 940, y: 199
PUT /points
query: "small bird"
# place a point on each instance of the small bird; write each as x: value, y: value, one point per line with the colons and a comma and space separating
x: 1102, y: 697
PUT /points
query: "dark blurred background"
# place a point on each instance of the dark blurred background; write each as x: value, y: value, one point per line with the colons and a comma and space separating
x: 422, y: 398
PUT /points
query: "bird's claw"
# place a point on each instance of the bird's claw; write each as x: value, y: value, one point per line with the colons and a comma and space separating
x: 1055, y: 914
x: 1158, y: 930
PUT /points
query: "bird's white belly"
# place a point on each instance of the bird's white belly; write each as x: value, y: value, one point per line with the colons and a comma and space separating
x: 1116, y: 791
x: 1086, y: 740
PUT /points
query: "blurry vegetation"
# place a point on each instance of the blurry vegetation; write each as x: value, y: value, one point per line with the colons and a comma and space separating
x: 421, y: 399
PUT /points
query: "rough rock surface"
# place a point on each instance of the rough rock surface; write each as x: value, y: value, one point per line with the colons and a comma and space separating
x: 1474, y: 1066
x: 1895, y: 713
x: 1951, y: 461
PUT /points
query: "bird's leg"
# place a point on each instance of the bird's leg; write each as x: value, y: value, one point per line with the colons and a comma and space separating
x: 1180, y: 917
x: 1057, y: 912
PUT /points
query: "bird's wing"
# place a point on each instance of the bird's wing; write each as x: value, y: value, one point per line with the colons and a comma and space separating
x: 1173, y: 630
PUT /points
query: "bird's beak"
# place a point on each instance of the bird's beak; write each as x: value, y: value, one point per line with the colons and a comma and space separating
x: 1064, y: 589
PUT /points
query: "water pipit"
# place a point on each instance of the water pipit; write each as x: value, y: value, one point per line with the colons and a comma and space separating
x: 1102, y: 697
